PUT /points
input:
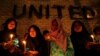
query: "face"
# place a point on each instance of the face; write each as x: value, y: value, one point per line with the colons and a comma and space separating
x: 32, y: 32
x: 47, y: 36
x: 11, y: 25
x: 54, y: 25
x: 77, y: 27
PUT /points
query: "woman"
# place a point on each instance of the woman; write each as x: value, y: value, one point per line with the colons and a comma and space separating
x: 9, y: 27
x: 80, y: 38
x: 35, y: 41
x: 8, y: 37
x: 60, y: 45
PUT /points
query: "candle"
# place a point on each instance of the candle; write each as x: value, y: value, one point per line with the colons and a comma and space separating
x: 92, y: 37
x: 24, y: 43
x: 11, y: 36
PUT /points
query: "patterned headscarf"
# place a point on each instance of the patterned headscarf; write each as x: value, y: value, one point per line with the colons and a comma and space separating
x: 58, y: 34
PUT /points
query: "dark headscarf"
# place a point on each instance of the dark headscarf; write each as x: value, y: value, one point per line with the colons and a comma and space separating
x: 84, y: 34
x: 84, y: 30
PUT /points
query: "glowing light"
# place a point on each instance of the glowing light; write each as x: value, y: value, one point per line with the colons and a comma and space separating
x: 92, y: 36
x: 24, y: 42
x: 11, y: 36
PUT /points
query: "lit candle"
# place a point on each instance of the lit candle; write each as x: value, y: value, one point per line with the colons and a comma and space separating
x: 11, y: 37
x: 24, y: 43
x: 92, y: 37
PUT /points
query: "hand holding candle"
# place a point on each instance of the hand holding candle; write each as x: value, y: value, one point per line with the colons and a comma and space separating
x: 92, y: 37
x: 11, y: 36
x: 24, y: 43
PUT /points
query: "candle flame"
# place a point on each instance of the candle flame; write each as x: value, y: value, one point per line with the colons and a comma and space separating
x: 11, y: 36
x: 24, y: 42
x: 92, y: 36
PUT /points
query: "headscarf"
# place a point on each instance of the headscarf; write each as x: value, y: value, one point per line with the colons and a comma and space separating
x: 80, y: 39
x: 84, y: 34
x: 58, y: 34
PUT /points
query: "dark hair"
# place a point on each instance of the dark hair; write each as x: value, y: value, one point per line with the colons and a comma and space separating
x: 96, y: 29
x: 38, y: 37
x: 38, y: 42
x: 36, y: 28
x: 5, y: 25
x: 45, y: 32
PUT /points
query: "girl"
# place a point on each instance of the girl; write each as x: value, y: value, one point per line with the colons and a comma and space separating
x: 35, y: 41
x: 8, y: 37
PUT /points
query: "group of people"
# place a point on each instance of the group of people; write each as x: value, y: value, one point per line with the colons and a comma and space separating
x: 53, y: 42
